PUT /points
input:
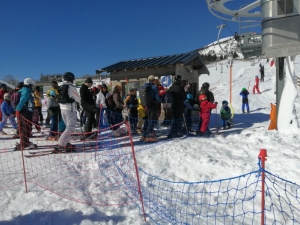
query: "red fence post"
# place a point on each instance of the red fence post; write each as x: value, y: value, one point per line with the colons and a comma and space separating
x: 263, y: 157
x: 22, y: 149
x: 136, y: 169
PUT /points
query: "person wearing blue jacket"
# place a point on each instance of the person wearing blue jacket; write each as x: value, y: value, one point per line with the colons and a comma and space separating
x: 8, y: 114
x: 25, y: 107
x: 244, y: 93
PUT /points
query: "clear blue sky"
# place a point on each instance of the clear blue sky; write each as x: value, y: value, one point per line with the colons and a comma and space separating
x: 43, y: 36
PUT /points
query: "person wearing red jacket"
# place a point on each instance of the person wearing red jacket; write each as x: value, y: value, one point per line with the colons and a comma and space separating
x: 205, y: 112
x: 256, y: 85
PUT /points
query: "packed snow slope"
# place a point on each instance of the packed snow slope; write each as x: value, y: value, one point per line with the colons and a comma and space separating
x: 234, y: 152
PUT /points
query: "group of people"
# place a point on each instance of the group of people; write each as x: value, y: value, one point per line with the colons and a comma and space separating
x: 100, y: 108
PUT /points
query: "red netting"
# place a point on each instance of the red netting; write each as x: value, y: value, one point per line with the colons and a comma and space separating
x: 101, y: 170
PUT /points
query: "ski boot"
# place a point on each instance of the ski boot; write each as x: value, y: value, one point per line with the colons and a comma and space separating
x: 26, y: 147
x: 67, y: 148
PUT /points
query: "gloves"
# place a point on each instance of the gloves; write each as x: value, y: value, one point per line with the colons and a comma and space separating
x: 216, y: 103
x: 7, y: 115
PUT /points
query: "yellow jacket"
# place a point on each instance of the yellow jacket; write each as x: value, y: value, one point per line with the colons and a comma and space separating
x: 37, y: 99
x: 141, y: 110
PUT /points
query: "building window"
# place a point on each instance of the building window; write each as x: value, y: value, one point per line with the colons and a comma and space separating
x: 285, y: 7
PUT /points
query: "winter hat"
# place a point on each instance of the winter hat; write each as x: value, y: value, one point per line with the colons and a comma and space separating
x: 202, y: 97
x: 189, y: 96
x: 89, y: 80
x: 3, y: 85
x: 244, y: 89
x: 225, y: 103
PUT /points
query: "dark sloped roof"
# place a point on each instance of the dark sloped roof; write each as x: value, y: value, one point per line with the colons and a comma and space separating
x: 151, y: 62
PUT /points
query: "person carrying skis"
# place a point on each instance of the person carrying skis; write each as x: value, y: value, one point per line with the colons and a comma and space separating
x: 205, y: 113
x: 25, y: 107
x: 189, y: 107
x: 256, y: 85
x: 244, y: 93
x: 68, y: 100
x: 8, y: 114
x: 225, y: 114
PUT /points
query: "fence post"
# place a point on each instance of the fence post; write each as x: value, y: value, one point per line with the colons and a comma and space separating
x: 22, y: 148
x: 136, y: 169
x: 263, y: 157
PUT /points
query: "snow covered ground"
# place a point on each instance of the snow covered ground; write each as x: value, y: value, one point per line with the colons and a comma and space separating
x: 232, y: 153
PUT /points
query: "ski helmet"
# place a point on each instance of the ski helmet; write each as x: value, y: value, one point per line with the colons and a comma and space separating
x: 244, y: 89
x: 189, y: 96
x: 202, y: 97
x: 177, y: 79
x: 205, y: 85
x: 6, y: 96
x: 68, y: 76
x: 225, y: 103
x: 29, y: 81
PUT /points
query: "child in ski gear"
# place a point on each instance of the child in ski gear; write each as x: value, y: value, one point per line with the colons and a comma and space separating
x: 8, y: 114
x: 225, y: 114
x: 35, y: 120
x: 3, y: 90
x: 25, y: 107
x: 132, y: 103
x: 205, y: 113
x: 141, y: 115
x: 256, y: 85
x: 189, y: 107
x: 54, y: 114
x: 54, y: 87
x: 244, y: 93
x: 68, y: 113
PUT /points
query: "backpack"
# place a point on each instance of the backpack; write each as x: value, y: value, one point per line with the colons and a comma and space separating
x: 63, y: 95
x: 111, y: 103
x: 15, y: 98
x: 132, y: 101
x: 147, y: 95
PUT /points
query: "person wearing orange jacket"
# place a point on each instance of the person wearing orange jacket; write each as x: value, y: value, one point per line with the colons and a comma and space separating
x: 256, y: 85
x: 205, y: 112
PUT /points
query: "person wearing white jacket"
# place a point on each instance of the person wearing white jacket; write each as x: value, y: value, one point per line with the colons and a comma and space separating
x: 68, y: 113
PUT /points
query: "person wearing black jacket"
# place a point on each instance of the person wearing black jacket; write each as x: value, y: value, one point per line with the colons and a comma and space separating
x: 178, y: 97
x: 88, y: 105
